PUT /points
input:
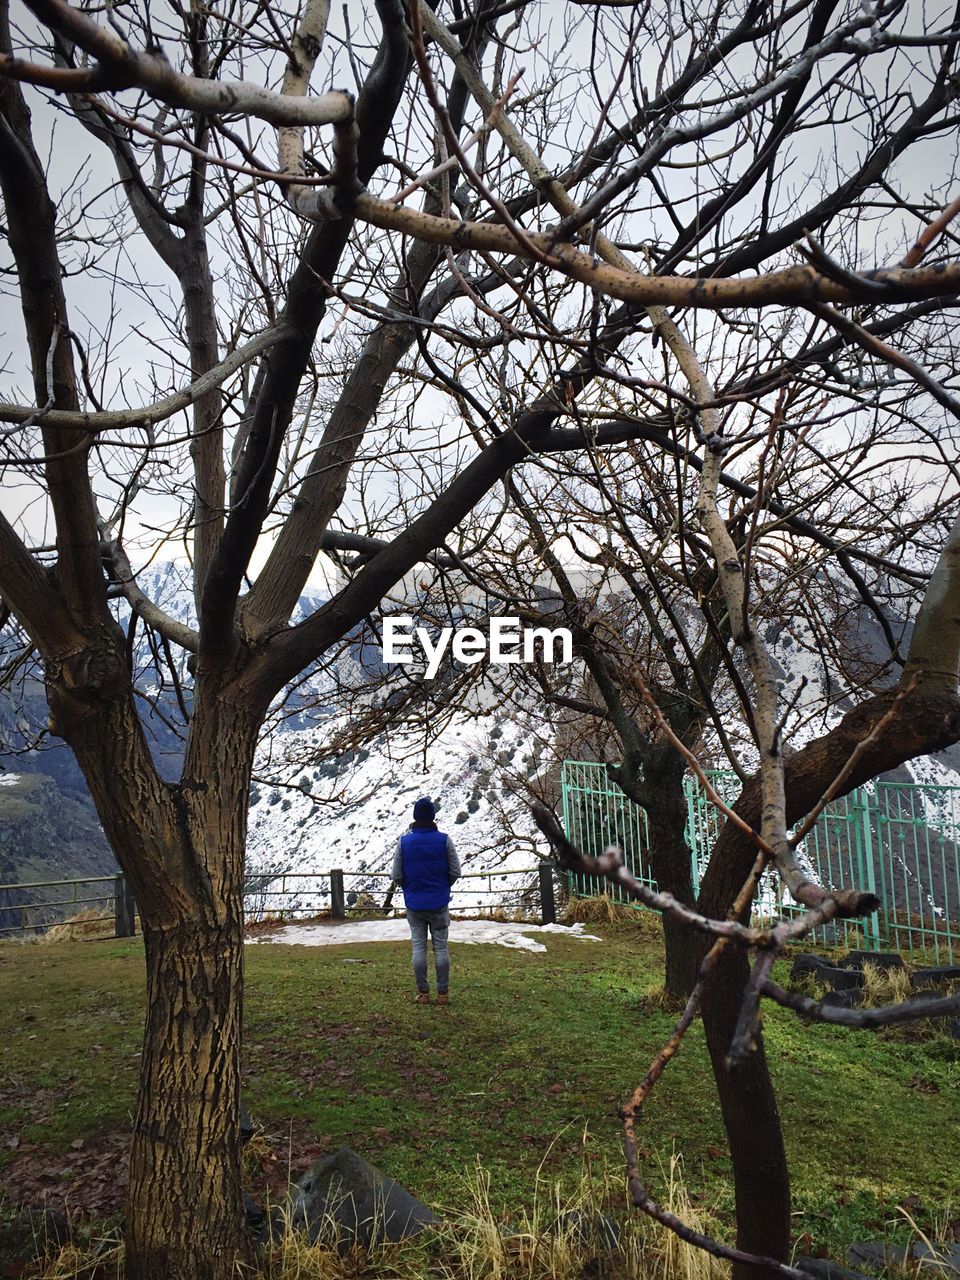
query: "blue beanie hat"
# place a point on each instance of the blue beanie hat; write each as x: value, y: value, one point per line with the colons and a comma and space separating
x: 423, y: 810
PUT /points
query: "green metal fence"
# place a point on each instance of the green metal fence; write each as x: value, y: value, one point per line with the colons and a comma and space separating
x: 899, y: 840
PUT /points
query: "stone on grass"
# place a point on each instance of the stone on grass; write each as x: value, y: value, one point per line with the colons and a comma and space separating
x: 806, y: 963
x: 841, y: 979
x: 824, y: 1269
x: 879, y: 959
x: 936, y: 1259
x: 936, y: 976
x: 877, y: 1253
x: 342, y: 1201
x: 840, y: 1000
x: 588, y: 1228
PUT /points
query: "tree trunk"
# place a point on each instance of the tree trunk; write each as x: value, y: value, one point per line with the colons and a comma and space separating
x: 185, y: 1216
x: 929, y: 720
x: 748, y: 1102
x: 185, y: 1202
x: 182, y: 847
x: 671, y: 862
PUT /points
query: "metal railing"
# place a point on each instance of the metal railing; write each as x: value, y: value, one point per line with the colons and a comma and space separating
x: 901, y: 841
x: 31, y: 913
x: 292, y: 894
x: 285, y: 895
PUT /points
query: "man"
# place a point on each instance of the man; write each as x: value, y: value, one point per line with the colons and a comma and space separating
x: 425, y: 865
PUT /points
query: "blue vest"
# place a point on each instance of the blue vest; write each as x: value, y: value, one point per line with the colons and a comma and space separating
x: 426, y: 872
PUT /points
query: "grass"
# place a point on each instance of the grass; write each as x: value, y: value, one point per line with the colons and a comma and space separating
x: 560, y: 1237
x: 535, y: 1049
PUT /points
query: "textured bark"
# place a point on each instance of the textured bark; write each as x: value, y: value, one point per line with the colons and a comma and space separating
x: 670, y: 861
x: 182, y: 847
x: 206, y: 446
x: 184, y: 1219
x: 659, y: 781
x: 751, y: 1118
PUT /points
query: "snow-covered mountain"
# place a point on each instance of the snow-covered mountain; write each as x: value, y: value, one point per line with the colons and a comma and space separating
x: 371, y: 793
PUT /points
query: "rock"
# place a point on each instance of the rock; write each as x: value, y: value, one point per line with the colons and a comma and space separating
x: 33, y: 1234
x: 937, y: 1259
x: 806, y: 963
x: 840, y: 1000
x: 953, y: 1028
x: 344, y: 1200
x: 262, y: 1227
x: 841, y: 979
x: 879, y: 959
x: 588, y: 1229
x: 940, y: 1259
x: 876, y: 1253
x: 937, y: 976
x: 824, y: 1269
x: 246, y: 1125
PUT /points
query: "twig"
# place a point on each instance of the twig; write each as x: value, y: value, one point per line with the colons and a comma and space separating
x: 529, y: 247
x: 466, y: 146
x: 641, y: 1200
x: 883, y: 351
x: 814, y: 252
x: 930, y: 233
x: 181, y: 144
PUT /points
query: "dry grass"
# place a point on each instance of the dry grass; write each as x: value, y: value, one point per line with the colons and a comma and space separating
x: 884, y: 986
x: 79, y: 928
x: 519, y: 913
x: 101, y: 1259
x: 675, y: 1258
x: 934, y: 1265
x: 601, y: 909
x: 657, y: 999
x: 555, y: 1237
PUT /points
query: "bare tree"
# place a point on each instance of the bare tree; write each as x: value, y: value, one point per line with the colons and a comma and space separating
x: 284, y: 401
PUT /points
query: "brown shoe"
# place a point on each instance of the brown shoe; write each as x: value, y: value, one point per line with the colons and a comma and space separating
x: 422, y: 997
x: 442, y: 998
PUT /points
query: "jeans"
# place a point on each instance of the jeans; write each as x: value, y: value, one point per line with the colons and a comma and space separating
x: 438, y: 922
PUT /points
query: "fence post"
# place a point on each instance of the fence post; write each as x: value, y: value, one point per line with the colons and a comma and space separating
x: 548, y: 906
x: 124, y: 909
x: 338, y: 906
x: 876, y: 922
x: 692, y: 841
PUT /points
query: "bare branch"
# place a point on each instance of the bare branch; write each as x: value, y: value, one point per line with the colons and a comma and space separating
x: 120, y: 66
x: 102, y: 422
x: 915, y: 1010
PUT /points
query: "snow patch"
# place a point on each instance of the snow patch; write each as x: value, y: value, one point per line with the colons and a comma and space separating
x: 521, y: 937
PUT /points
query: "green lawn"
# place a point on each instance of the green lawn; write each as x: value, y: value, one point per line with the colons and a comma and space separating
x: 536, y: 1049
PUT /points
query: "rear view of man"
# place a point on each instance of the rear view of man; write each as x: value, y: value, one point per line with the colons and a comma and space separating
x: 425, y: 865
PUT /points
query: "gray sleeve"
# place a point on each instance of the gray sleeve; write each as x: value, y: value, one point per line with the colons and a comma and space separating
x: 453, y: 862
x: 397, y: 872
